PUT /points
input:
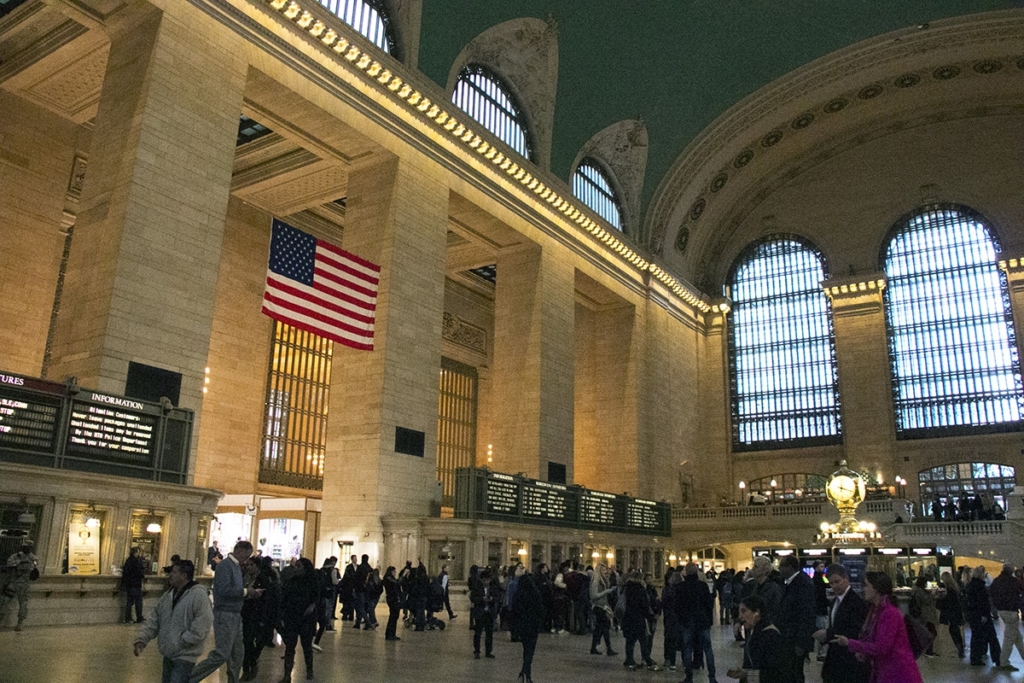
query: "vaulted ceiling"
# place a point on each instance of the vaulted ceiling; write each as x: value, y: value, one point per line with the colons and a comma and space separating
x: 678, y: 64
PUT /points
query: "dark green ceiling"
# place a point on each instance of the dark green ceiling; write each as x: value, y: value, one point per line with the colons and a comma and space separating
x: 677, y: 63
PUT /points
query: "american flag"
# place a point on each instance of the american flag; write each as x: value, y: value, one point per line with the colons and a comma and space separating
x: 320, y: 288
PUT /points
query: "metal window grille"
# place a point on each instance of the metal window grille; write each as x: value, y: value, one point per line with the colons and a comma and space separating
x: 456, y: 424
x: 591, y: 186
x: 782, y: 351
x: 481, y: 94
x: 952, y: 347
x: 295, y: 413
x: 369, y: 17
x: 951, y: 483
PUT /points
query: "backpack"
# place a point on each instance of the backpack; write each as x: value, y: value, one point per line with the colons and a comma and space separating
x: 326, y: 587
x: 436, y: 588
x: 918, y: 634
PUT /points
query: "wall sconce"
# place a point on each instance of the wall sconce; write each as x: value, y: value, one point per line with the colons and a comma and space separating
x: 154, y: 526
x: 595, y: 555
x: 26, y: 517
x: 91, y: 520
x: 609, y: 555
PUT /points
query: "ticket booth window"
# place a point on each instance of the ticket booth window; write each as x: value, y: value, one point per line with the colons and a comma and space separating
x: 147, y: 531
x: 85, y: 531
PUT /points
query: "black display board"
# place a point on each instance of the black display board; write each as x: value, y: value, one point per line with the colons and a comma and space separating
x: 64, y: 426
x: 29, y: 413
x: 483, y: 494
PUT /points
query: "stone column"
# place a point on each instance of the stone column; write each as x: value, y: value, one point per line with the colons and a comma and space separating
x: 397, y: 217
x: 865, y: 379
x: 707, y: 462
x: 606, y: 440
x: 533, y: 361
x: 143, y: 266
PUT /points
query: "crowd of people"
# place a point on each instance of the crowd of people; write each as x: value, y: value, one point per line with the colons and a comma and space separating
x: 781, y: 616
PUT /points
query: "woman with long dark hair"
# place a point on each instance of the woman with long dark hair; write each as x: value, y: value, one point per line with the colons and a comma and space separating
x: 526, y: 617
x: 298, y: 616
x: 951, y: 612
x: 763, y: 651
x: 883, y: 640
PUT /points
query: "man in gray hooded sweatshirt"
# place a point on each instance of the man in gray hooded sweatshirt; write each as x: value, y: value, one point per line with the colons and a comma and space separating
x: 180, y: 623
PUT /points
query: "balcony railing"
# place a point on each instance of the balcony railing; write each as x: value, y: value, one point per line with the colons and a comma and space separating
x: 950, y: 529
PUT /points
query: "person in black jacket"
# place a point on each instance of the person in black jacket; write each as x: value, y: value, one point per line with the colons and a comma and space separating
x: 393, y: 596
x: 132, y: 575
x: 526, y: 617
x: 260, y: 617
x: 485, y: 598
x: 419, y: 596
x: 635, y: 620
x: 951, y: 612
x: 764, y: 651
x: 978, y: 611
x: 795, y: 617
x: 1007, y: 594
x: 695, y: 611
x: 846, y: 618
x: 298, y: 615
x: 359, y: 592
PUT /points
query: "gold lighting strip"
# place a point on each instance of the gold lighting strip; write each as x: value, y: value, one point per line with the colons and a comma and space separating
x: 461, y: 132
x: 1011, y: 265
x: 854, y: 288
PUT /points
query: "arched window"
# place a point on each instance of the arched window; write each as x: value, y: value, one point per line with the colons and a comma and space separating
x: 781, y: 349
x: 591, y: 185
x: 949, y: 492
x: 369, y: 17
x: 951, y: 341
x: 481, y: 94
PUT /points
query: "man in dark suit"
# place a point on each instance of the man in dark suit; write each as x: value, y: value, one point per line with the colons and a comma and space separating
x: 846, y: 618
x: 795, y: 616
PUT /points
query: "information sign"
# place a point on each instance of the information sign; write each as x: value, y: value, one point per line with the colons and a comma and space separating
x: 112, y: 427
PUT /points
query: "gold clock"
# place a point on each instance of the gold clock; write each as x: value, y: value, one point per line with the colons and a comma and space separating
x: 845, y: 488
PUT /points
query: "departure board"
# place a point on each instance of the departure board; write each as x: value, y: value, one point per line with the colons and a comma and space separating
x: 112, y: 427
x: 548, y: 501
x: 481, y: 493
x: 598, y: 507
x: 60, y: 424
x: 502, y: 494
x: 643, y: 514
x: 28, y: 413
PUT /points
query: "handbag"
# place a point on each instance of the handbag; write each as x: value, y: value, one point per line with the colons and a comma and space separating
x: 919, y: 636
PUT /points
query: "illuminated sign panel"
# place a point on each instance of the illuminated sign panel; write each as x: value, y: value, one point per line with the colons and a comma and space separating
x: 482, y: 494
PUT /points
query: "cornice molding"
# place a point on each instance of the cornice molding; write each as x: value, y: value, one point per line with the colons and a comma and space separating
x: 361, y: 69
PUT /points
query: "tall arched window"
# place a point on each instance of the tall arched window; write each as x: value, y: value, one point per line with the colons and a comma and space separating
x: 781, y: 350
x: 480, y: 93
x: 592, y: 186
x: 951, y: 341
x: 369, y: 17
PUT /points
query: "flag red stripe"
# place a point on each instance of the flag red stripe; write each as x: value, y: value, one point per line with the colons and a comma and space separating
x: 316, y: 330
x: 345, y: 267
x: 359, y: 327
x: 344, y: 254
x: 319, y: 274
x: 325, y: 303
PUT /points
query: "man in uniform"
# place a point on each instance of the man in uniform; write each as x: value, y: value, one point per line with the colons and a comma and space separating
x: 19, y: 570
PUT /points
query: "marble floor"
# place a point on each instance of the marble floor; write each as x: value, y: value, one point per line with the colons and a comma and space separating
x: 103, y: 654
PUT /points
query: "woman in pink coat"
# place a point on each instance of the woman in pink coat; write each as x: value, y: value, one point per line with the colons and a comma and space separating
x: 883, y: 640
